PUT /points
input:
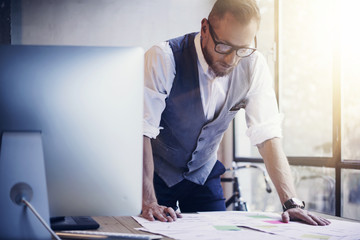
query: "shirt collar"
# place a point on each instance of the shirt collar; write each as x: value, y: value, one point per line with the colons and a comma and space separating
x: 201, y: 58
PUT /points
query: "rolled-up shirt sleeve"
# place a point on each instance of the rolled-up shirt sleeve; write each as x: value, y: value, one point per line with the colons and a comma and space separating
x: 159, y: 75
x: 262, y: 115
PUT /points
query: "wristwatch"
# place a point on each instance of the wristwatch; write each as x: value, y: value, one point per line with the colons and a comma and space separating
x: 293, y: 203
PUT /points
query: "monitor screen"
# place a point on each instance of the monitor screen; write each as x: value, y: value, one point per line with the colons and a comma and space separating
x: 87, y: 102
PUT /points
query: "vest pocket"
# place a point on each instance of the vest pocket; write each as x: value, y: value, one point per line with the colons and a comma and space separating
x: 237, y: 107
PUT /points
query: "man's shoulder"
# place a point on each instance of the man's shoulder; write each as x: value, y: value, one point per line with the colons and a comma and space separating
x: 183, y: 37
x: 159, y: 48
x: 160, y: 56
x: 178, y: 44
x: 165, y: 46
x: 257, y: 57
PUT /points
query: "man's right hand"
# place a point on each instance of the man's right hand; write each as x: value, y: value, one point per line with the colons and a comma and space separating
x: 154, y: 211
x: 151, y: 210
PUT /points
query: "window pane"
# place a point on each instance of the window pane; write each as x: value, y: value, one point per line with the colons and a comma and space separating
x: 253, y: 189
x: 350, y: 73
x: 265, y: 42
x: 306, y: 53
x: 350, y: 193
x: 314, y: 185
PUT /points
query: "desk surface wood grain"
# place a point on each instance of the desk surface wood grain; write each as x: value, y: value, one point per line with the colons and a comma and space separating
x: 119, y: 224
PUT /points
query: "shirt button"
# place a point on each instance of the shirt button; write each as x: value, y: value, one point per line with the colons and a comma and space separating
x: 201, y: 139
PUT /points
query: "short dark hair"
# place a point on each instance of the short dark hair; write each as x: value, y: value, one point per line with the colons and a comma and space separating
x: 243, y: 10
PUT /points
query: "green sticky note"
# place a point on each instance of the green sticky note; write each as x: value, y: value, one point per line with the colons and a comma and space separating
x: 258, y: 216
x: 313, y: 236
x: 227, y: 228
x: 267, y: 226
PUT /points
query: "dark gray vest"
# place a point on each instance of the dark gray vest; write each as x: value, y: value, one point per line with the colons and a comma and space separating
x: 186, y: 147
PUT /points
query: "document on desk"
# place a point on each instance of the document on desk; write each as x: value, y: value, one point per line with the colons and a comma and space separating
x: 248, y: 225
x: 200, y: 227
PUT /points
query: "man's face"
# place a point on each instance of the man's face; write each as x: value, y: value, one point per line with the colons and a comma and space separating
x: 227, y: 31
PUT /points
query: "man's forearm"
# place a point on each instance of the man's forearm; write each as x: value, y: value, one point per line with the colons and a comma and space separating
x: 151, y: 210
x: 278, y: 168
x: 280, y: 173
x: 148, y: 173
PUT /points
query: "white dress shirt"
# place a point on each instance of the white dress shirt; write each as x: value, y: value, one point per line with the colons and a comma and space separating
x: 263, y: 119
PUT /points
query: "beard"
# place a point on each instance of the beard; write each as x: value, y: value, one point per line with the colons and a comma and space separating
x: 218, y: 68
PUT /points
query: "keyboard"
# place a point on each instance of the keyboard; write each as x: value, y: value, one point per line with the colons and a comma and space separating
x: 105, y: 235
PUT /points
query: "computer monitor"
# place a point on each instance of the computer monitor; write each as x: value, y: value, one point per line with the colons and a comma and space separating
x: 87, y: 102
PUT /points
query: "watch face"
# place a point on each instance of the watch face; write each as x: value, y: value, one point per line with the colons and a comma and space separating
x: 298, y: 202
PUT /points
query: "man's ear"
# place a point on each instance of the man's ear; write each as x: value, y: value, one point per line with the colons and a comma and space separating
x: 203, y: 27
x: 203, y: 24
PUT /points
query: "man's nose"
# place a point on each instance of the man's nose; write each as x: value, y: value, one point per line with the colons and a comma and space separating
x: 231, y: 58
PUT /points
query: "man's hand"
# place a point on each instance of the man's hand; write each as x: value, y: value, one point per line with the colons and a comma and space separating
x: 154, y: 211
x: 296, y: 214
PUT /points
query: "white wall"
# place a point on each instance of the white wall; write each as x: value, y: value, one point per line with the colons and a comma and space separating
x: 105, y: 22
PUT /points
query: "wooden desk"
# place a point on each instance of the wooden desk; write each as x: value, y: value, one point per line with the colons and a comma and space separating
x: 119, y: 224
x: 127, y: 224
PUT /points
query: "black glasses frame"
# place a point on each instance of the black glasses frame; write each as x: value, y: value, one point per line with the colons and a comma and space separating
x: 232, y: 48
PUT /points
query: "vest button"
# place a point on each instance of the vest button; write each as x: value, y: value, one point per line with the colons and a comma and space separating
x: 204, y: 128
x: 201, y: 139
x: 195, y: 152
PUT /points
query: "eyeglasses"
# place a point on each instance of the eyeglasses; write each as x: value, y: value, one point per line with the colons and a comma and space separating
x: 223, y: 48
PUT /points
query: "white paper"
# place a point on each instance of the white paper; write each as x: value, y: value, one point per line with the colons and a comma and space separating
x: 248, y: 225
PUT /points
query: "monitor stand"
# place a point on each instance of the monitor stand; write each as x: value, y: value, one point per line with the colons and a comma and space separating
x: 22, y: 163
x: 22, y: 177
x: 73, y: 223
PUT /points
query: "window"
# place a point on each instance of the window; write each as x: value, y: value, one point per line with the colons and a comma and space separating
x: 313, y: 49
x: 305, y: 77
x: 350, y: 76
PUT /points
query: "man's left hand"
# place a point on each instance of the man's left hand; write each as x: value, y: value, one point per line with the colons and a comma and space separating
x: 296, y: 214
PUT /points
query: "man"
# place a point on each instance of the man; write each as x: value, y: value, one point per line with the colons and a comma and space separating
x: 194, y: 85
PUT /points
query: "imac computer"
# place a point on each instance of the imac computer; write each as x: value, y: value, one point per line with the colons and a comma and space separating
x: 86, y: 103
